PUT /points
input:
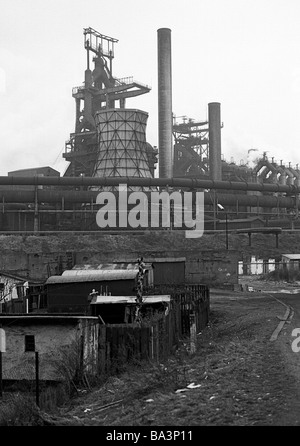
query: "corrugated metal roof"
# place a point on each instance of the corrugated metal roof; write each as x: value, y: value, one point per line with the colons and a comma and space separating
x: 99, y: 272
x: 92, y: 276
x: 131, y: 299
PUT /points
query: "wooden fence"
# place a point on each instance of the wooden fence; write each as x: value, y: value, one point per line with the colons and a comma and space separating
x: 157, y: 338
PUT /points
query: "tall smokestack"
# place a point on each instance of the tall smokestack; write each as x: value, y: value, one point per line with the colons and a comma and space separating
x: 214, y: 123
x: 165, y: 118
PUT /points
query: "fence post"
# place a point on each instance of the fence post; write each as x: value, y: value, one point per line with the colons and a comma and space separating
x: 193, y: 334
x: 1, y: 386
x: 2, y: 350
x: 37, y: 394
x: 144, y: 343
x: 152, y: 342
x: 156, y: 338
x: 102, y: 350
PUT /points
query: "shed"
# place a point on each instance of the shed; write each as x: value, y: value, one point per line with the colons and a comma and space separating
x: 121, y: 309
x: 159, y: 270
x: 148, y: 279
x: 20, y: 294
x: 12, y: 288
x: 45, y: 171
x: 168, y: 270
x: 69, y: 293
x: 54, y: 337
x: 291, y: 261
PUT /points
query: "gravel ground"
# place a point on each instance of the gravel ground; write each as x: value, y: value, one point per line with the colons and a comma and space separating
x: 237, y: 377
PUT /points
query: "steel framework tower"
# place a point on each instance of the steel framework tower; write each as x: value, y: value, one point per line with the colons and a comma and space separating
x: 100, y: 91
x: 190, y: 148
x: 197, y: 148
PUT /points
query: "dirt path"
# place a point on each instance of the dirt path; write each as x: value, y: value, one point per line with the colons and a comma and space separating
x: 237, y: 377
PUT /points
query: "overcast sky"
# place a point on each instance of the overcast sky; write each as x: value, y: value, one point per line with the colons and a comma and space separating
x: 244, y: 54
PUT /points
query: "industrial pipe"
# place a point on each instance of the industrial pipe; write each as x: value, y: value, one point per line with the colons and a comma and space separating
x: 290, y: 179
x: 86, y: 197
x: 189, y: 183
x: 266, y: 201
x: 296, y: 175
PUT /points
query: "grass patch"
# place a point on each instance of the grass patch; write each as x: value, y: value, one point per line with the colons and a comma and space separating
x: 19, y: 409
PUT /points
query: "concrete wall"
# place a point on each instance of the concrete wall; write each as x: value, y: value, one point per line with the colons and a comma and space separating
x: 38, y: 265
x: 51, y: 338
x: 212, y: 268
x: 39, y: 257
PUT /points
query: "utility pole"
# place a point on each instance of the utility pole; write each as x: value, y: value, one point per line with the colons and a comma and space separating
x: 1, y: 385
x: 37, y: 393
x: 226, y: 223
x: 226, y: 229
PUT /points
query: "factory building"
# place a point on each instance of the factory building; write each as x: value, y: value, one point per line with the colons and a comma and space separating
x: 109, y: 142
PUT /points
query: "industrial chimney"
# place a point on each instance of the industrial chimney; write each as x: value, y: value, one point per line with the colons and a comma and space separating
x: 214, y: 123
x: 165, y: 118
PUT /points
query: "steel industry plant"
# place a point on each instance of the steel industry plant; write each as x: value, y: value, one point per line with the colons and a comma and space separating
x: 108, y: 146
x: 100, y: 267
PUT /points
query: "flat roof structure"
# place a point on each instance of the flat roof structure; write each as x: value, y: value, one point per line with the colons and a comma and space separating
x: 130, y: 299
x: 291, y: 256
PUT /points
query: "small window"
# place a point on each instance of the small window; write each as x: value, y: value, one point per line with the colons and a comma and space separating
x: 29, y: 343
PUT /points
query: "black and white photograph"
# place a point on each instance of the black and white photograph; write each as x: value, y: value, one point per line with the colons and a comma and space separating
x: 149, y: 217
